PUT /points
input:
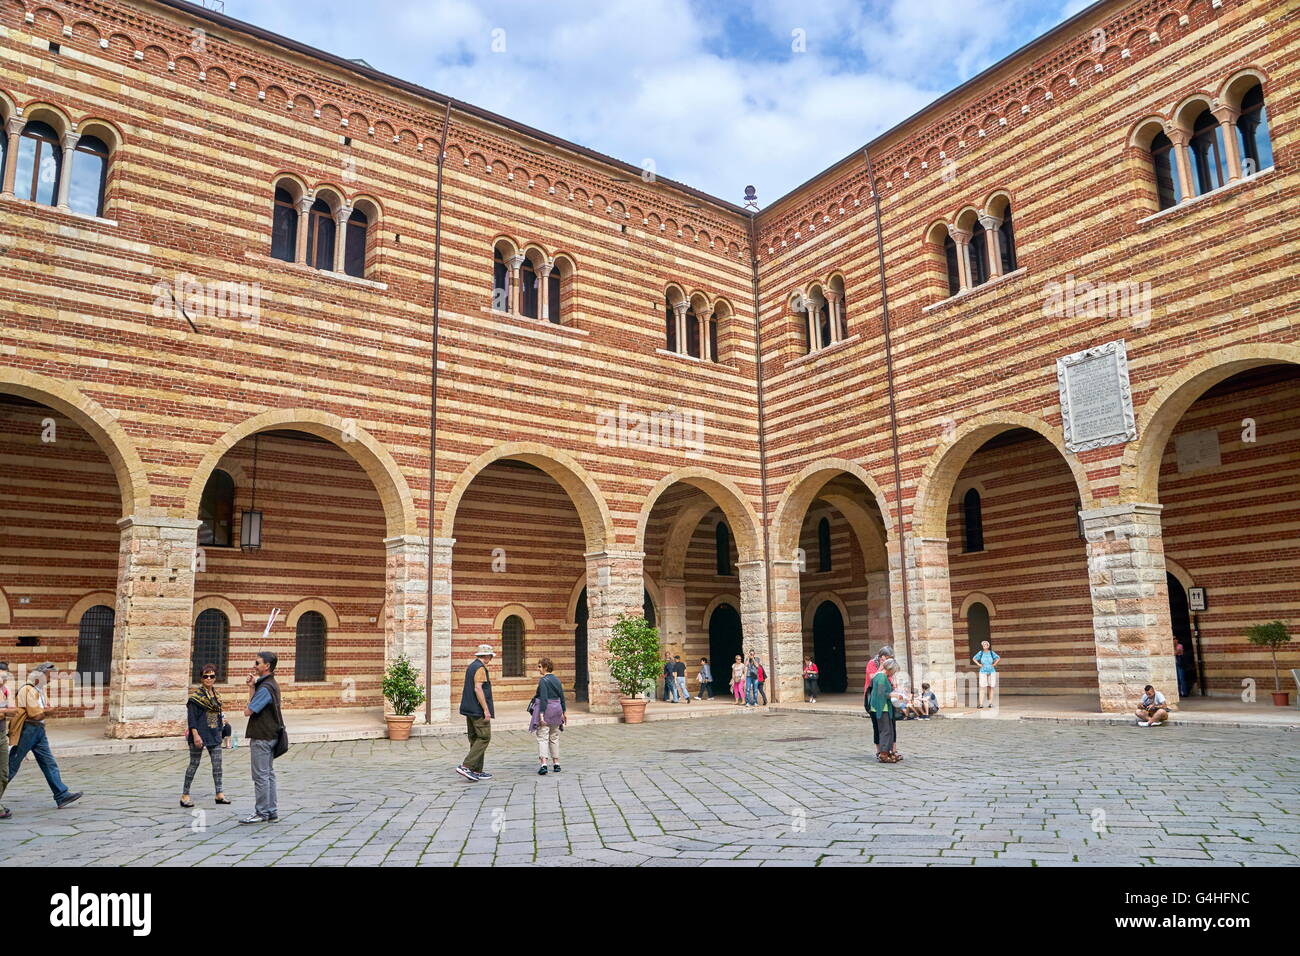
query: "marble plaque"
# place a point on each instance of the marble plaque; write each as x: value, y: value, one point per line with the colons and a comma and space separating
x: 1096, y: 402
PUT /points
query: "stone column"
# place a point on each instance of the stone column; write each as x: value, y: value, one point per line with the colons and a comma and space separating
x: 679, y: 310
x: 1130, y: 604
x: 341, y: 235
x: 70, y: 141
x: 543, y: 290
x: 815, y: 326
x: 785, y: 656
x: 405, y: 583
x: 13, y: 130
x: 1183, y: 161
x: 993, y: 238
x: 961, y: 237
x: 153, y: 626
x: 835, y: 303
x: 514, y: 298
x: 1227, y: 117
x: 615, y: 585
x: 930, y: 608
x: 304, y: 220
x: 444, y: 701
x: 880, y: 625
x: 673, y: 613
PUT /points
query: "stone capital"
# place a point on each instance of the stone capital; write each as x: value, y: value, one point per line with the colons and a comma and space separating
x: 158, y: 521
x: 615, y: 555
x: 544, y: 269
x: 990, y: 222
x: 401, y: 541
x: 1177, y: 135
x: 305, y: 203
x: 515, y: 261
x: 1121, y: 510
x: 959, y: 236
x: 342, y: 215
x: 1225, y: 113
x: 71, y: 139
x: 14, y: 125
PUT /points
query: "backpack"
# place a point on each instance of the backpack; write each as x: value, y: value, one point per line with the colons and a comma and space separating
x: 762, y: 674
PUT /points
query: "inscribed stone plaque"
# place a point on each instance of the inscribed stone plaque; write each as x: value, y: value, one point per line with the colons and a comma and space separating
x: 1096, y: 404
x: 1197, y: 450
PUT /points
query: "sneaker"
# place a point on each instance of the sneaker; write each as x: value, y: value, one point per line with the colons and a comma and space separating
x: 5, y: 813
x: 541, y: 771
x: 273, y: 818
x: 69, y: 798
x: 555, y: 768
x: 481, y: 775
x: 467, y: 773
x: 253, y: 818
x: 1144, y: 723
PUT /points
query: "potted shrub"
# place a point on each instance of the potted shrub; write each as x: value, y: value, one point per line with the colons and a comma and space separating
x: 404, y: 692
x: 633, y: 663
x: 1272, y: 635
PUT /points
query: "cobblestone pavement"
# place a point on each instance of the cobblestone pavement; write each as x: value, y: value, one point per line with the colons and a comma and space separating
x: 748, y: 789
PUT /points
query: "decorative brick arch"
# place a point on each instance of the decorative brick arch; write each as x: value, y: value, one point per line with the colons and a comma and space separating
x: 132, y: 479
x: 5, y: 616
x: 741, y: 517
x: 322, y: 608
x: 373, y: 457
x: 216, y: 602
x: 1139, y: 476
x: 597, y: 524
x: 718, y: 601
x: 93, y: 599
x: 939, y: 476
x: 678, y: 540
x: 805, y: 487
x: 817, y: 600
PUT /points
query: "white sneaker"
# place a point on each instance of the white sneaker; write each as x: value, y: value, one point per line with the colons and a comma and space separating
x: 1144, y: 723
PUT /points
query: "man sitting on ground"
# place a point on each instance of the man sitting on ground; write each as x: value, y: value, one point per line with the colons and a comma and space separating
x: 1153, y: 709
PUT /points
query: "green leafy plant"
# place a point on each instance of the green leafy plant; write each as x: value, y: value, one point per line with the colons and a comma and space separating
x: 1271, y: 635
x: 633, y: 654
x: 402, y: 687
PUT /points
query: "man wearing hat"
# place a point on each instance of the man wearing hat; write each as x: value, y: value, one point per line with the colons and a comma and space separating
x: 476, y: 705
x: 27, y: 735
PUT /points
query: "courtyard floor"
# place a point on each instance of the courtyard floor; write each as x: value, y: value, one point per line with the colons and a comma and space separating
x: 743, y: 789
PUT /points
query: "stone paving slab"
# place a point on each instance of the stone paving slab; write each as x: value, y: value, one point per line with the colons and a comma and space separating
x: 970, y: 793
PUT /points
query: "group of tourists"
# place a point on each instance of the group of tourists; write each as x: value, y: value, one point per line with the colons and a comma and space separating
x: 675, y: 690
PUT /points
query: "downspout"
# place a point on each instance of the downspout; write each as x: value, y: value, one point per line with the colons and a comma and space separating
x: 762, y: 446
x: 893, y: 414
x: 433, y: 420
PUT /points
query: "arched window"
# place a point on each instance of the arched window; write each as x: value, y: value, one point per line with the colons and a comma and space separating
x: 500, y: 281
x: 354, y: 246
x: 284, y: 226
x: 977, y: 626
x: 711, y: 323
x: 1209, y: 165
x: 89, y: 174
x: 841, y: 307
x: 40, y: 163
x: 211, y: 644
x: 1007, y: 243
x: 528, y: 289
x: 309, y: 647
x: 512, y: 646
x: 824, y: 544
x: 823, y: 323
x: 670, y: 324
x: 722, y: 547
x: 978, y: 252
x: 321, y: 229
x: 217, y: 510
x: 1169, y: 187
x: 95, y: 642
x: 954, y: 269
x: 647, y: 607
x: 554, y: 292
x: 973, y: 523
x: 1252, y: 132
x: 692, y: 334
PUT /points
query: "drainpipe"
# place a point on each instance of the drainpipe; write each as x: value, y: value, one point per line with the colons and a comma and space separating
x: 433, y: 419
x: 893, y: 413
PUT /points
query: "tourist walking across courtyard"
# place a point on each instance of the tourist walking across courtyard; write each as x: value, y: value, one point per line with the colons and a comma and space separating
x: 810, y: 688
x: 881, y: 706
x: 679, y: 674
x: 670, y: 680
x: 987, y: 659
x: 738, y: 680
x: 207, y: 730
x: 705, y: 679
x: 549, y: 716
x: 7, y: 710
x: 476, y: 707
x: 27, y: 734
x: 265, y: 724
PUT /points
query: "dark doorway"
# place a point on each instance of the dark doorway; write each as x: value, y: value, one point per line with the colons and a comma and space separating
x: 725, y: 643
x: 1180, y: 620
x: 581, y: 677
x: 828, y: 649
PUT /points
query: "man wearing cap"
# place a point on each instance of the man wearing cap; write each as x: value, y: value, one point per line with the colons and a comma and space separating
x: 27, y: 735
x: 476, y: 705
x: 7, y: 710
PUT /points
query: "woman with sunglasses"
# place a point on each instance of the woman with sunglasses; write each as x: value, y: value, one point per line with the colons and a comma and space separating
x: 207, y: 730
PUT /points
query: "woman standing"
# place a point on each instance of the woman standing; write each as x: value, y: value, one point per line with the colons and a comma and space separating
x: 810, y: 688
x: 706, y: 680
x: 987, y: 658
x: 549, y: 716
x: 738, y: 680
x: 882, y: 712
x: 207, y: 730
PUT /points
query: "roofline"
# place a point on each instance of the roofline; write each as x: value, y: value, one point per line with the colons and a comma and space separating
x: 370, y: 73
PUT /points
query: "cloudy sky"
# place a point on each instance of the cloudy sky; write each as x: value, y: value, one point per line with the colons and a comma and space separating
x: 715, y: 94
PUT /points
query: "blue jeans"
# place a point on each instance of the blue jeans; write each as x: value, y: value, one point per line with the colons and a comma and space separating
x: 751, y: 690
x: 33, y: 740
x: 672, y: 689
x: 1182, y: 679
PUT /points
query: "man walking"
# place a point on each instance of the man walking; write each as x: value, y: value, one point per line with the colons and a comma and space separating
x: 264, y: 725
x: 670, y: 680
x: 679, y: 673
x: 7, y: 710
x: 27, y: 735
x: 476, y: 706
x: 751, y: 681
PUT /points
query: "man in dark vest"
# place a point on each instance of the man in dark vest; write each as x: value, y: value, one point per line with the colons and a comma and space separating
x: 264, y: 721
x: 476, y: 705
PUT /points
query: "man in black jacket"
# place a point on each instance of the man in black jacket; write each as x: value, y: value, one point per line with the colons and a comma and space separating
x: 264, y: 722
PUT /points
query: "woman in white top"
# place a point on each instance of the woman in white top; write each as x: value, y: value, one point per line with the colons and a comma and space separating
x: 738, y: 680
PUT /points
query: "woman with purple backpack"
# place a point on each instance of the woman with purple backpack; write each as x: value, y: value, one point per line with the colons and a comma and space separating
x: 549, y: 715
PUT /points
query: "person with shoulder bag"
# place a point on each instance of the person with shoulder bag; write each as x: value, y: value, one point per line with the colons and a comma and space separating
x: 207, y: 730
x: 267, y: 738
x: 549, y: 716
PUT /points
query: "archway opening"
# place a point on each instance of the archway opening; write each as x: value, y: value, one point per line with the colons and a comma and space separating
x: 726, y: 643
x: 828, y: 648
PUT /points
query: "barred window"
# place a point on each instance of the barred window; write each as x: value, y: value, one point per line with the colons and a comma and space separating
x: 512, y: 646
x: 211, y: 644
x: 95, y: 641
x: 309, y: 657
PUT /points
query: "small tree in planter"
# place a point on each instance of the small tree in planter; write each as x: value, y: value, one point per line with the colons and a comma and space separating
x: 1272, y: 635
x: 633, y: 662
x: 404, y: 692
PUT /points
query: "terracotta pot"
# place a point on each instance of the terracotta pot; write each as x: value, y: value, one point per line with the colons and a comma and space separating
x: 633, y: 710
x: 1282, y: 699
x: 399, y: 728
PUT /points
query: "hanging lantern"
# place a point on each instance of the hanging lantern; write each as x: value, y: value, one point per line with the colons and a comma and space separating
x: 250, y: 521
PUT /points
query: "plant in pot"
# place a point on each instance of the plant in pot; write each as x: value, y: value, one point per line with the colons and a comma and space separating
x: 404, y: 692
x: 1272, y: 635
x: 633, y: 663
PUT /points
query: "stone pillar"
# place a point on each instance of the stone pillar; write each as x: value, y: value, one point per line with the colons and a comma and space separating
x: 835, y: 303
x: 153, y: 626
x: 70, y: 141
x: 810, y: 316
x: 1130, y: 604
x: 440, y: 664
x: 13, y: 130
x: 880, y: 625
x: 615, y: 585
x: 341, y: 235
x: 679, y: 311
x: 1227, y: 117
x: 706, y: 346
x: 993, y: 238
x: 405, y: 598
x: 961, y: 237
x: 514, y: 298
x: 1183, y: 161
x: 304, y: 221
x: 543, y: 290
x: 930, y: 608
x: 673, y: 613
x: 785, y: 655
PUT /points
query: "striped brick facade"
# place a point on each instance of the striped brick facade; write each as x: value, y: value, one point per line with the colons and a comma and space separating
x: 550, y: 469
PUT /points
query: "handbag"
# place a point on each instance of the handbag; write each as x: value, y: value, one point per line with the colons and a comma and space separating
x: 282, y: 737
